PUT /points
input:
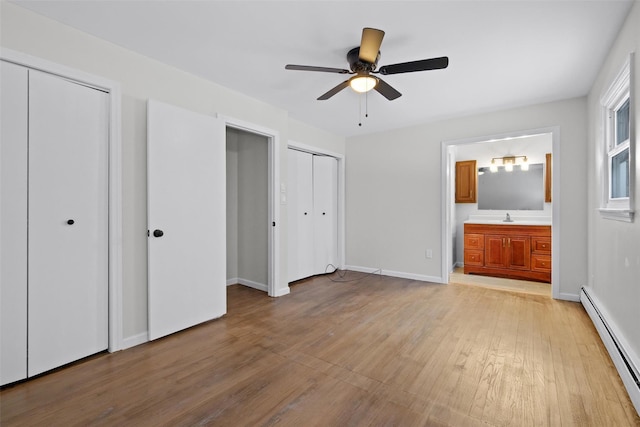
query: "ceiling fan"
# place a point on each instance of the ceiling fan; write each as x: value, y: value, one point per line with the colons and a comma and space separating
x: 363, y: 61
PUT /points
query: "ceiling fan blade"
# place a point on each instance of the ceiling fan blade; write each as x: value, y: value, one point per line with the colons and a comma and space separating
x: 370, y: 44
x: 386, y: 90
x: 312, y: 68
x: 410, y: 67
x: 333, y: 91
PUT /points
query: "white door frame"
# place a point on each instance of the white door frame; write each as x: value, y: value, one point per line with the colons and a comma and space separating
x: 341, y: 192
x: 115, y: 175
x: 274, y: 287
x: 447, y: 198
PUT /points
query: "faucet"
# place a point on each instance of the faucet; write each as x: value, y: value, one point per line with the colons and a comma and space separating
x: 508, y: 218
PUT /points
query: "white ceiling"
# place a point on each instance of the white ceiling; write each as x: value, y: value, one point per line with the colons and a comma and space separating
x: 502, y: 53
x: 534, y: 147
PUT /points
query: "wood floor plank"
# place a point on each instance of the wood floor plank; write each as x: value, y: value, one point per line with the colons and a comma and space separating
x: 348, y: 351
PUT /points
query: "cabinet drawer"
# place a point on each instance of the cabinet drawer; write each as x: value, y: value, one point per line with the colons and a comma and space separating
x: 541, y: 244
x: 473, y: 257
x: 474, y: 241
x: 540, y: 262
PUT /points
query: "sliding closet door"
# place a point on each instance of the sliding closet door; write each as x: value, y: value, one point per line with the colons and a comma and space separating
x: 186, y: 178
x: 13, y: 225
x: 68, y: 220
x: 300, y: 216
x: 325, y: 209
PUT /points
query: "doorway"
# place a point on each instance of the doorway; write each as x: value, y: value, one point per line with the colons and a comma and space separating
x: 450, y: 230
x: 247, y: 209
x: 257, y: 188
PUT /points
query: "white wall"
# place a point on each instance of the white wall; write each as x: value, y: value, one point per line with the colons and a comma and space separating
x: 394, y: 185
x: 142, y: 78
x: 614, y: 247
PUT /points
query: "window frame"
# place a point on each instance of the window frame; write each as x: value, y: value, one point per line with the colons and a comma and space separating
x: 617, y: 94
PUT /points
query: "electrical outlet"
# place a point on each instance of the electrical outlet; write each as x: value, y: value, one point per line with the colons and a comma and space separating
x: 428, y: 254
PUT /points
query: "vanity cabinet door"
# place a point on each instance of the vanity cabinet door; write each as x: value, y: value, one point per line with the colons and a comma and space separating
x: 466, y: 182
x: 512, y: 252
x: 519, y: 252
x: 494, y: 250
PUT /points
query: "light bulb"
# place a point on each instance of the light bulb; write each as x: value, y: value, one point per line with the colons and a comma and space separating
x: 524, y: 165
x: 508, y: 167
x: 363, y: 83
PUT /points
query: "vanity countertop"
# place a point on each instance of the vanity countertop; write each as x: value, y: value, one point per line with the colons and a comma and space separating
x: 515, y: 220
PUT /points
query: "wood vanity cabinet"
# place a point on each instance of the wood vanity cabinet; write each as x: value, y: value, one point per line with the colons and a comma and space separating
x: 512, y: 251
x: 466, y: 182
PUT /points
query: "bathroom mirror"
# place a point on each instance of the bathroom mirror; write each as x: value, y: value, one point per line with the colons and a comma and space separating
x: 515, y: 190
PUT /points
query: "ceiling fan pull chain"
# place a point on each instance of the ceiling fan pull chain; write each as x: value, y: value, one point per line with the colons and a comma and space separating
x: 360, y: 111
x: 366, y: 104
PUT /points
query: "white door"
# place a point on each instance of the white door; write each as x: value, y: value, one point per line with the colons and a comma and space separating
x: 68, y: 222
x: 325, y: 209
x: 186, y: 181
x: 300, y: 215
x: 13, y: 224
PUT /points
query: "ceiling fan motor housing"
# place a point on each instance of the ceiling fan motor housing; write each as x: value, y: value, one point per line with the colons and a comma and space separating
x: 359, y: 66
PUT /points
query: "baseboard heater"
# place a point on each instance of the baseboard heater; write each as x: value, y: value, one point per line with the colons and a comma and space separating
x: 627, y: 369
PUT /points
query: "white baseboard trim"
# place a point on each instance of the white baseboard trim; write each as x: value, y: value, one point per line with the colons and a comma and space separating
x: 569, y: 297
x: 400, y: 274
x: 625, y: 360
x: 134, y: 340
x: 363, y: 269
x: 248, y: 283
x: 281, y: 292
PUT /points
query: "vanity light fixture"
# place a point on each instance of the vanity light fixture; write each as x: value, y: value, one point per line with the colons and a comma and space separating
x: 508, y: 162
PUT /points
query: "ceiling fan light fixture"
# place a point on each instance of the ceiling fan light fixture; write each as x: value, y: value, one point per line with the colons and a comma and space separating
x: 363, y: 83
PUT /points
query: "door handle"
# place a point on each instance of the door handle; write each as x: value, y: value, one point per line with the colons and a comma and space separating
x: 158, y: 233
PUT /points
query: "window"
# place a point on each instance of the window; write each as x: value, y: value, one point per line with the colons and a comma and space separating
x: 619, y: 146
x: 619, y: 153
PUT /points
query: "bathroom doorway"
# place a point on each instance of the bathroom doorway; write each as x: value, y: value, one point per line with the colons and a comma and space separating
x: 453, y: 216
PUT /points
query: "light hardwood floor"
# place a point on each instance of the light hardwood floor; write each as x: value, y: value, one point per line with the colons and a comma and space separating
x: 511, y: 285
x: 378, y: 351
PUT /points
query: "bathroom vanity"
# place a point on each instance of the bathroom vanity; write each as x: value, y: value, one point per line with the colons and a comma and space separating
x: 516, y: 250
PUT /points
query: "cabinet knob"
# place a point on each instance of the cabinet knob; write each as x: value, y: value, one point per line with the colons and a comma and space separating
x: 158, y: 233
x: 70, y: 222
x: 305, y: 213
